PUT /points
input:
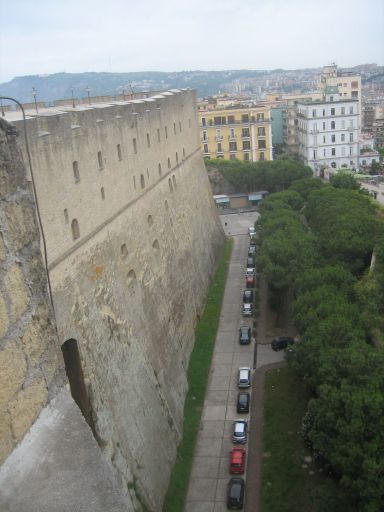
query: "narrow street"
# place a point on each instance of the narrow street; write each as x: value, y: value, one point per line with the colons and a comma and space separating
x: 210, y: 471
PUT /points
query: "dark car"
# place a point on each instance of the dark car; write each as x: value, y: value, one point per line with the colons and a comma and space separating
x: 250, y: 262
x: 281, y: 342
x: 248, y: 296
x: 251, y: 250
x: 242, y: 402
x: 235, y: 493
x: 253, y: 241
x: 245, y: 335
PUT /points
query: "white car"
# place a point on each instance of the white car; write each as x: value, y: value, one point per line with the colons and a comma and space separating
x: 240, y: 428
x: 250, y: 271
x: 244, y: 378
x: 251, y: 231
x: 247, y: 309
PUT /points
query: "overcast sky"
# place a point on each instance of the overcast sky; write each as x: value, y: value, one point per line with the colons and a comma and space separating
x: 50, y: 36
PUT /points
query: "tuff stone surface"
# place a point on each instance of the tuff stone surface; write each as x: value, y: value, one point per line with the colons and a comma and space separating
x: 13, y: 370
x: 17, y: 291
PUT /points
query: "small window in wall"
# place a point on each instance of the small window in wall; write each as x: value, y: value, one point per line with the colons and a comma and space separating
x: 333, y: 125
x: 332, y: 111
x: 142, y: 181
x: 119, y: 157
x: 174, y: 128
x: 156, y: 245
x: 159, y: 169
x: 150, y: 220
x: 183, y: 152
x: 174, y: 181
x: 158, y: 135
x: 166, y: 204
x: 170, y: 184
x: 169, y: 163
x: 134, y: 146
x: 66, y: 216
x: 134, y: 182
x: 131, y: 277
x: 102, y: 192
x: 180, y: 130
x: 189, y: 123
x: 147, y: 173
x: 75, y: 229
x: 100, y: 160
x: 166, y: 132
x: 76, y: 173
x: 262, y: 156
x: 124, y: 250
x: 177, y: 157
x: 148, y: 141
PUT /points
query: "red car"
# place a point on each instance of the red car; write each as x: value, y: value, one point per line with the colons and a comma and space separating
x: 237, y: 461
x: 250, y: 281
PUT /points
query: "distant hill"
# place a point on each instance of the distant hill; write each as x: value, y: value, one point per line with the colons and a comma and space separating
x: 58, y: 86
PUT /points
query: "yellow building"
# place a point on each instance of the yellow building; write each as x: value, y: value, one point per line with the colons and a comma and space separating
x: 242, y: 133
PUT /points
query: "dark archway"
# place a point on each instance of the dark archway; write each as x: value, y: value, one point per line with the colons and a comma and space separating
x: 76, y: 379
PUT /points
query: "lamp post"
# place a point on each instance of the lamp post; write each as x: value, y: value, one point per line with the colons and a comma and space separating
x: 34, y: 94
x: 73, y: 98
x: 88, y: 91
x: 2, y: 108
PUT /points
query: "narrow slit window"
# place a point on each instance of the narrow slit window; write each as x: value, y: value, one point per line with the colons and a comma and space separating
x: 75, y: 229
x: 100, y: 160
x: 119, y: 157
x: 76, y: 173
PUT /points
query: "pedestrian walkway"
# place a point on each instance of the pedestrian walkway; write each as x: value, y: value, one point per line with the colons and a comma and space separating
x: 210, y: 471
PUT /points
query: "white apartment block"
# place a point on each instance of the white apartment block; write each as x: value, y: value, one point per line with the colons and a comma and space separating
x: 328, y: 132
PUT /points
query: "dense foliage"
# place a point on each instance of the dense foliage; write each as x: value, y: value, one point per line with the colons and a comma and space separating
x: 272, y: 175
x: 325, y: 242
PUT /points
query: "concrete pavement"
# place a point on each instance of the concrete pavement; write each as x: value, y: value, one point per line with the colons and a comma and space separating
x: 210, y: 470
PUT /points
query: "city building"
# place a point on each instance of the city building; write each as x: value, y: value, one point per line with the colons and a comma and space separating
x: 348, y: 84
x: 368, y: 153
x: 378, y: 132
x: 328, y: 132
x: 239, y: 132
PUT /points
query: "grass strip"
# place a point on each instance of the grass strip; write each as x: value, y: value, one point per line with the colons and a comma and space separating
x: 288, y: 479
x: 198, y: 372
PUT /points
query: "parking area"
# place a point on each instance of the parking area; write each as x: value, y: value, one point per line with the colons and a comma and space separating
x: 210, y: 471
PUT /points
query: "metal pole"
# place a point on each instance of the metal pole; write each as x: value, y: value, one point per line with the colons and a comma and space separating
x: 73, y: 99
x: 88, y: 91
x: 34, y: 93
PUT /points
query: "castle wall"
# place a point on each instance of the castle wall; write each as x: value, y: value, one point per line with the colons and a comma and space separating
x: 130, y: 288
x: 31, y: 367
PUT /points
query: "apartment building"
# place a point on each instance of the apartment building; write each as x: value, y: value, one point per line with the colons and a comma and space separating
x: 348, y: 84
x: 238, y: 132
x: 328, y: 131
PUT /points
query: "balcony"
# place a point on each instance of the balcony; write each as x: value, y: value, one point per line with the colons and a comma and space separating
x: 234, y: 137
x: 218, y: 138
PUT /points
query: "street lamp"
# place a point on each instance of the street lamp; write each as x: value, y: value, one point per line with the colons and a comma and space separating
x: 34, y: 93
x: 2, y: 108
x: 73, y: 99
x: 88, y: 91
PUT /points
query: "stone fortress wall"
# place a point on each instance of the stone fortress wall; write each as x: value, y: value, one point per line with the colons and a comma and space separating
x: 31, y: 364
x: 133, y: 239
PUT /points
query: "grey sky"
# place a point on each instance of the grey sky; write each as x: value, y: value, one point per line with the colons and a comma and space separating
x: 49, y: 36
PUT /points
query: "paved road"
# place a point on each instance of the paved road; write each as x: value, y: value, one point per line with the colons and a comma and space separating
x: 210, y: 470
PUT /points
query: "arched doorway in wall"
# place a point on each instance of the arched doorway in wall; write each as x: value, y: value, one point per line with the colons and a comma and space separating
x: 75, y: 375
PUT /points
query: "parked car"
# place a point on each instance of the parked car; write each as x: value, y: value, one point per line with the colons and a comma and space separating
x: 244, y: 335
x: 253, y: 240
x: 243, y: 400
x: 247, y: 309
x: 244, y: 377
x: 251, y: 230
x: 250, y: 271
x: 240, y: 428
x: 248, y: 296
x: 237, y: 461
x: 250, y: 281
x: 252, y: 250
x: 235, y: 493
x: 250, y: 263
x: 281, y: 342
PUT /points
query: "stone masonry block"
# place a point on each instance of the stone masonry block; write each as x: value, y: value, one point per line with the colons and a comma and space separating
x: 17, y: 290
x: 13, y: 370
x: 6, y: 441
x: 20, y: 224
x: 2, y: 247
x: 26, y: 407
x: 4, y: 322
x: 36, y: 337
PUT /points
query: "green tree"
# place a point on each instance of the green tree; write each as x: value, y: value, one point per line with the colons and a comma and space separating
x: 344, y: 180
